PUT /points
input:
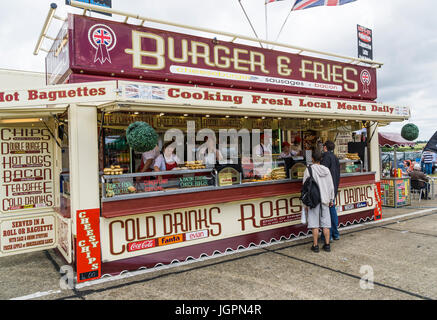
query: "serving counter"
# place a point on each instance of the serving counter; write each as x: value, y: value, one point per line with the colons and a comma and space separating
x: 164, y: 226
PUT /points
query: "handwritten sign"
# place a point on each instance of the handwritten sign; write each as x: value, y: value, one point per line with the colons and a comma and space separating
x: 26, y: 176
x: 196, y: 181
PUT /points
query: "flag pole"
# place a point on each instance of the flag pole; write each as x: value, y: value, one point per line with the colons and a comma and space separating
x: 250, y: 23
x: 283, y: 25
x: 265, y: 12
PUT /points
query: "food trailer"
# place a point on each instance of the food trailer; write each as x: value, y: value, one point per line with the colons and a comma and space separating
x: 70, y: 180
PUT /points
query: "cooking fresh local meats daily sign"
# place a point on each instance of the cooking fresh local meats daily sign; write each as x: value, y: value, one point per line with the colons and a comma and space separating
x: 26, y: 175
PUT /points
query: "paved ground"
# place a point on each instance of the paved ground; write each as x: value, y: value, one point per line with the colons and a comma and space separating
x: 400, y: 252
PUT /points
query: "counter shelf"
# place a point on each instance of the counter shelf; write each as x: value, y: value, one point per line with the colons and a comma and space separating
x: 213, y: 187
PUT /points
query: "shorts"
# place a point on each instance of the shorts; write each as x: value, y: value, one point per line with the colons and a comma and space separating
x: 317, y: 219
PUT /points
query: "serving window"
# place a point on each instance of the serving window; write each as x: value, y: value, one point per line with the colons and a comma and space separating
x: 209, y: 151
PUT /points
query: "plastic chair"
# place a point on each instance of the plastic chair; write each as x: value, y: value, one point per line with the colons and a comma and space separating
x: 416, y: 188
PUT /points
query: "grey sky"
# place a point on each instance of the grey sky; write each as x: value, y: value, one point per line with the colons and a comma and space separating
x: 405, y: 38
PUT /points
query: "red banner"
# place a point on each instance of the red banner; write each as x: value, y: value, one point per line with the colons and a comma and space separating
x: 102, y: 47
x: 88, y: 252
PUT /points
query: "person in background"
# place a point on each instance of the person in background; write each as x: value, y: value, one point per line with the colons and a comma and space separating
x: 330, y: 161
x: 262, y: 156
x: 167, y: 160
x: 295, y: 146
x: 287, y: 155
x: 147, y: 160
x: 286, y: 151
x: 421, y: 179
x: 209, y: 153
x: 427, y: 159
x: 320, y: 217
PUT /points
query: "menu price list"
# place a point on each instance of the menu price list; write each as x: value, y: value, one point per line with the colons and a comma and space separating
x: 26, y: 177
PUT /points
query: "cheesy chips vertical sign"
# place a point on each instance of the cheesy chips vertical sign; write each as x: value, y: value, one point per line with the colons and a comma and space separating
x: 88, y: 245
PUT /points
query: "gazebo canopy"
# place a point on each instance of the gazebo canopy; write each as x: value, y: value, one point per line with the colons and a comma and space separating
x: 391, y: 139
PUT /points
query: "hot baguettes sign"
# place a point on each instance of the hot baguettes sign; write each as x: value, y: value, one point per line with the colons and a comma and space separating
x: 130, y: 236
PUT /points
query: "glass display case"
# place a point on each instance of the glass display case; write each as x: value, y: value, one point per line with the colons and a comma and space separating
x: 135, y: 185
x: 351, y: 166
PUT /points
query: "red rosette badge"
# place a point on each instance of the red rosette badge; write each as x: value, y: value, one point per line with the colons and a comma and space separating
x: 365, y: 80
x: 103, y: 39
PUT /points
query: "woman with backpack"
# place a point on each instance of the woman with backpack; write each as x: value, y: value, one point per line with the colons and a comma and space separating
x: 318, y: 209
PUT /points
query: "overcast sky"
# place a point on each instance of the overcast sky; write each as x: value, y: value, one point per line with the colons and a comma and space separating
x: 404, y: 38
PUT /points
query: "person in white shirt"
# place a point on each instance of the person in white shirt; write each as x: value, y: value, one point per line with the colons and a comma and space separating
x: 167, y: 160
x: 209, y: 153
x: 147, y: 160
x: 287, y: 152
x: 262, y: 157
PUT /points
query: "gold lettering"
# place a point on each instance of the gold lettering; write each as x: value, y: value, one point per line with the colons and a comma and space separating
x: 337, y: 77
x: 354, y: 87
x: 138, y: 54
x: 222, y: 62
x: 283, y: 69
x: 303, y: 69
x: 195, y: 54
x: 238, y: 61
x: 319, y: 69
x: 260, y: 63
x: 184, y: 51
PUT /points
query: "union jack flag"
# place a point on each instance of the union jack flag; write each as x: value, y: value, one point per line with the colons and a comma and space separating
x: 102, y: 36
x: 305, y: 4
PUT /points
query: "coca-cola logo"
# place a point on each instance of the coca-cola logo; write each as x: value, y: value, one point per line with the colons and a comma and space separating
x: 141, y: 245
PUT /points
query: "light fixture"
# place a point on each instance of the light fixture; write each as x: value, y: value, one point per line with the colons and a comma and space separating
x: 227, y: 116
x: 185, y: 114
x: 24, y: 120
x: 161, y: 114
x: 246, y: 117
x: 263, y: 118
x: 136, y: 113
x: 207, y: 116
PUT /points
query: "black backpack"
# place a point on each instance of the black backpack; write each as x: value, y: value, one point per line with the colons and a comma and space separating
x: 310, y: 193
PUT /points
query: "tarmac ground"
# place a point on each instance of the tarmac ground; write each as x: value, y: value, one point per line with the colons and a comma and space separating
x: 390, y: 259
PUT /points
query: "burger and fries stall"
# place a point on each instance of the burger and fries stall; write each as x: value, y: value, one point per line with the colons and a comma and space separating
x: 70, y: 180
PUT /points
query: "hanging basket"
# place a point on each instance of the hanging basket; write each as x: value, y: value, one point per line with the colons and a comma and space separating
x: 410, y: 132
x: 141, y: 136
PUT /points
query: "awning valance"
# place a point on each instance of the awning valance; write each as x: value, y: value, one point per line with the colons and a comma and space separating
x: 391, y: 139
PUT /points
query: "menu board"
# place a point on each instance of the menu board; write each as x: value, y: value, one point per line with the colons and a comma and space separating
x: 26, y: 174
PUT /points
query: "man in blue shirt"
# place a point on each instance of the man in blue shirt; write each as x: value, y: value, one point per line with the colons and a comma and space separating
x: 330, y: 161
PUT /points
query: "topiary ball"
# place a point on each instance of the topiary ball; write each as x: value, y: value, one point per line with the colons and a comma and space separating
x: 410, y: 132
x: 141, y: 136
